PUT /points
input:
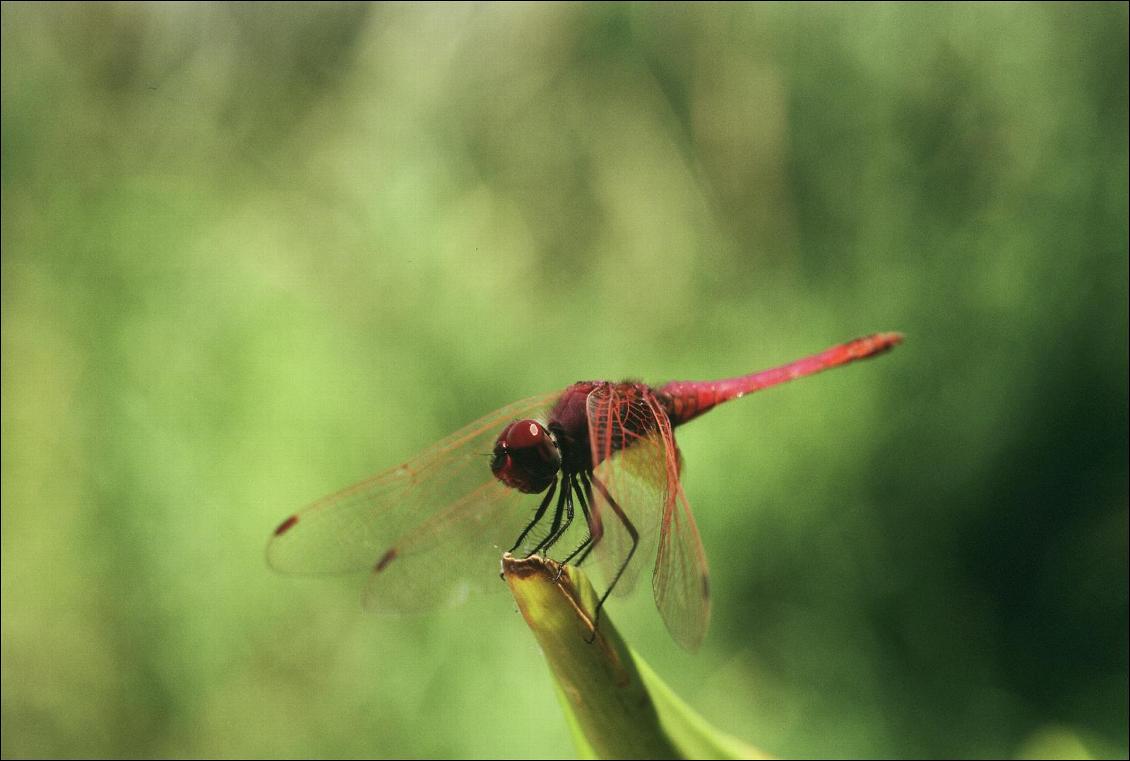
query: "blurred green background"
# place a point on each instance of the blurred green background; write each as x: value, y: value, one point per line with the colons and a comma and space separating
x: 254, y: 253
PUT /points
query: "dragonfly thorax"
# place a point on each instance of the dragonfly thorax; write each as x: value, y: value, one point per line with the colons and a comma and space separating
x: 526, y: 457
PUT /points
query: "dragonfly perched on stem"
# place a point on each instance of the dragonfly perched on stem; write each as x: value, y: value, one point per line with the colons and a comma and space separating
x: 432, y: 528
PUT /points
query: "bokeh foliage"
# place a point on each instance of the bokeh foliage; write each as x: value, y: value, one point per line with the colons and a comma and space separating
x: 252, y: 253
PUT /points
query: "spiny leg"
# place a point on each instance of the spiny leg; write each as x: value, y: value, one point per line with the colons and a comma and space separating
x: 588, y: 521
x: 600, y: 528
x: 557, y: 512
x: 632, y: 532
x: 564, y: 507
x: 569, y: 514
x: 537, y: 516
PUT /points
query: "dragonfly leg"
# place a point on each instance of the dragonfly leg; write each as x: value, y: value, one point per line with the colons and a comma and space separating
x: 584, y: 496
x: 564, y: 510
x: 632, y: 532
x: 596, y: 529
x: 588, y: 521
x: 537, y: 516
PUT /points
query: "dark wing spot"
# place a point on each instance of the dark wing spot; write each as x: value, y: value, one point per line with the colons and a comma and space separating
x: 386, y: 558
x: 286, y: 525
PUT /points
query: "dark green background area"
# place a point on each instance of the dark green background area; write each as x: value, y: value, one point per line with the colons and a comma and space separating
x: 253, y: 253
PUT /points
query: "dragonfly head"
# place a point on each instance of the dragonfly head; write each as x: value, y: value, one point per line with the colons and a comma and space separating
x: 526, y: 457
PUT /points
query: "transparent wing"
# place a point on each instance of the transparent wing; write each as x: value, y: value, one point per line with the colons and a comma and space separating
x: 429, y: 530
x: 631, y: 465
x: 452, y: 554
x: 681, y: 582
x: 637, y: 462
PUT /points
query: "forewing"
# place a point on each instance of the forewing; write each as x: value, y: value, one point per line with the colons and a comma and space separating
x: 428, y: 522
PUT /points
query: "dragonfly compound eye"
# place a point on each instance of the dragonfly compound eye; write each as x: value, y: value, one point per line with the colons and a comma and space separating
x: 525, y: 457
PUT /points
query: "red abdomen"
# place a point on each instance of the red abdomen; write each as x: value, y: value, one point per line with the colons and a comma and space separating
x: 686, y: 400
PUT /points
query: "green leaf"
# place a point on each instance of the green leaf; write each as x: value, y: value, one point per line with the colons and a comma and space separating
x: 617, y: 706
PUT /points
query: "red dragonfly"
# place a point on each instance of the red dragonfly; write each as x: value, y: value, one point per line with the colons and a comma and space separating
x: 431, y: 529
